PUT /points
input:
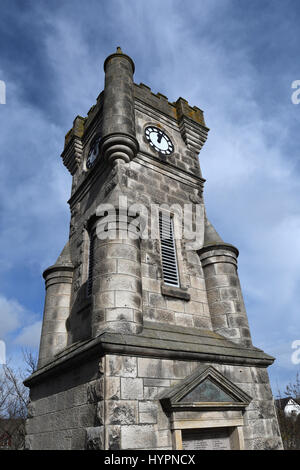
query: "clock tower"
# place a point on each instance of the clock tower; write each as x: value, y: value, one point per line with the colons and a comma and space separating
x: 145, y: 341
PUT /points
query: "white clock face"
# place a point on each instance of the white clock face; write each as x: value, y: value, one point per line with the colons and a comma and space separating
x: 159, y: 140
x: 93, y: 154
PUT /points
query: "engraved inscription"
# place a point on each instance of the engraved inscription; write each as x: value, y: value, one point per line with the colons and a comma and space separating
x: 206, y: 439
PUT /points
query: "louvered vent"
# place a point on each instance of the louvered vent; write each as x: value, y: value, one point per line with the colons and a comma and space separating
x: 168, y: 250
x: 91, y: 264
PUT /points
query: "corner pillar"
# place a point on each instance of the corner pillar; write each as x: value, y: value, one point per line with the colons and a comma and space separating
x: 225, y: 299
x: 117, y: 284
x: 58, y: 283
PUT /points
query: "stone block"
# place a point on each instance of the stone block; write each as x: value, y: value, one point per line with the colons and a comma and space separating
x: 124, y: 366
x: 197, y: 283
x: 164, y: 438
x: 87, y: 415
x: 156, y: 368
x: 129, y: 267
x: 78, y: 439
x: 228, y: 293
x: 183, y: 368
x: 175, y: 305
x: 263, y: 391
x: 217, y: 281
x: 100, y: 413
x: 237, y: 321
x: 202, y: 322
x: 105, y: 267
x: 220, y: 321
x: 113, y: 437
x: 119, y: 314
x: 260, y: 375
x: 156, y: 382
x: 225, y: 268
x: 149, y: 270
x: 184, y: 319
x: 198, y: 295
x: 95, y: 391
x: 148, y: 406
x: 112, y: 388
x: 121, y: 412
x: 194, y: 308
x: 139, y: 437
x: 128, y: 299
x: 157, y: 300
x: 220, y: 308
x: 273, y: 443
x: 152, y: 285
x: 236, y: 374
x: 209, y: 271
x: 160, y: 315
x: 132, y: 389
x: 232, y: 333
x: 213, y: 295
x: 119, y: 251
x: 148, y: 417
x: 95, y: 438
x: 150, y: 392
x: 104, y: 300
x: 122, y: 282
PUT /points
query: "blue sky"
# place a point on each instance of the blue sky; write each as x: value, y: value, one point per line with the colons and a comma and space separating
x: 234, y: 59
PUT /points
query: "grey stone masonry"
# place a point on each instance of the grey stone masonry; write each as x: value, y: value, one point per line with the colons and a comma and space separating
x: 58, y: 281
x: 66, y: 412
x: 118, y: 128
x: 131, y: 318
x: 84, y: 400
x: 226, y: 304
x: 117, y: 283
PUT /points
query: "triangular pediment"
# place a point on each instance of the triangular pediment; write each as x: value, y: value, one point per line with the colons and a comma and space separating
x: 205, y: 388
x: 207, y: 391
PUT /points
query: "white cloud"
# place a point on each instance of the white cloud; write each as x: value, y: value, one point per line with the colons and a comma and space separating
x: 30, y: 335
x: 18, y: 325
x: 11, y: 315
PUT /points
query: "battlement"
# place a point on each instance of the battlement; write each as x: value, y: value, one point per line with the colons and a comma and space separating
x: 175, y: 110
x: 178, y: 110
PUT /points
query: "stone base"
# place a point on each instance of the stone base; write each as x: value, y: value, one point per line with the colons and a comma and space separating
x: 111, y: 401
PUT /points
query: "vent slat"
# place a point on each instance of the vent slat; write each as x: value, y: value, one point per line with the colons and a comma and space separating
x: 168, y: 250
x: 91, y: 265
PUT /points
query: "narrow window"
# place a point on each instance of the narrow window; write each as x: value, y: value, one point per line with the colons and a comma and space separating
x: 168, y: 250
x: 91, y: 264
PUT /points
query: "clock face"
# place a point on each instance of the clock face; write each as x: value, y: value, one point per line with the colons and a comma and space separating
x: 93, y: 154
x: 159, y: 140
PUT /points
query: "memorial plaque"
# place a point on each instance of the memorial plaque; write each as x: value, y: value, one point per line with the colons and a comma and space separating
x: 206, y: 439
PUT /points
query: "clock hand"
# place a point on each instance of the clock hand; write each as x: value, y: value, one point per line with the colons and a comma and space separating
x: 159, y: 137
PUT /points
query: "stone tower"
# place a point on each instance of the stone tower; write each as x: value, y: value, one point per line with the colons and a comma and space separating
x: 145, y: 341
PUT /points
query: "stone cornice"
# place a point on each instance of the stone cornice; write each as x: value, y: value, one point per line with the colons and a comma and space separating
x: 158, y: 341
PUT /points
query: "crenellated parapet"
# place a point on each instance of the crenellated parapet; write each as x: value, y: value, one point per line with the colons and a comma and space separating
x: 190, y: 119
x: 191, y: 124
x: 73, y: 149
